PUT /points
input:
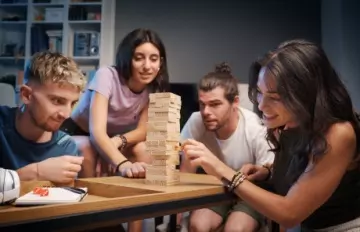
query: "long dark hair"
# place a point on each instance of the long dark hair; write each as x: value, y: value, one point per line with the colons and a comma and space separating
x: 312, y: 91
x: 126, y: 51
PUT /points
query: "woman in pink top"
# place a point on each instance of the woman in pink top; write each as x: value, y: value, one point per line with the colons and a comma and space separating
x: 110, y: 119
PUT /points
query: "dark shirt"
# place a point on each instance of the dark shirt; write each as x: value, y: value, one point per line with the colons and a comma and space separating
x: 341, y: 207
x: 17, y: 152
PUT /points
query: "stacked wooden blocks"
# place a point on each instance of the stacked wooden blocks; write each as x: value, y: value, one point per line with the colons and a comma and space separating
x: 162, y: 139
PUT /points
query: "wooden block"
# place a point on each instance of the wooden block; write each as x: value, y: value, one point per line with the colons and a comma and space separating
x: 162, y: 135
x: 162, y: 154
x: 162, y: 145
x: 162, y: 182
x: 163, y: 109
x: 163, y: 126
x: 165, y: 160
x: 165, y: 95
x: 164, y: 103
x: 167, y: 170
x: 172, y: 178
x: 163, y: 116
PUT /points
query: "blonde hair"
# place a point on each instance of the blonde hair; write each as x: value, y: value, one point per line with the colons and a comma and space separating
x: 56, y: 68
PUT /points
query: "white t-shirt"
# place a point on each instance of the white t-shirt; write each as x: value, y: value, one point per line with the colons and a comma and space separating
x: 246, y: 145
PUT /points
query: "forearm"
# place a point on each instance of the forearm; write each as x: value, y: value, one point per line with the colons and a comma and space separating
x: 135, y: 136
x: 28, y: 172
x: 272, y: 206
x: 107, y: 149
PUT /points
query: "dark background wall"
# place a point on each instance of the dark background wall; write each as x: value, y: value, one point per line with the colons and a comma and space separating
x: 341, y: 37
x: 198, y: 34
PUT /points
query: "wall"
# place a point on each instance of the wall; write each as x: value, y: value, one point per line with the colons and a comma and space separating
x: 341, y: 36
x: 198, y: 34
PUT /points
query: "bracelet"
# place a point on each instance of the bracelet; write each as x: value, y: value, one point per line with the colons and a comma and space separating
x: 269, y: 174
x: 123, y: 142
x: 238, y: 180
x: 121, y: 163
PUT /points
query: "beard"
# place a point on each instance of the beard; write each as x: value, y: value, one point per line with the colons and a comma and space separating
x: 42, y: 125
x: 217, y: 124
x: 214, y: 125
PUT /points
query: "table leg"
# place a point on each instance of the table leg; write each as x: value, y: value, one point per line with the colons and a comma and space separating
x: 172, y: 223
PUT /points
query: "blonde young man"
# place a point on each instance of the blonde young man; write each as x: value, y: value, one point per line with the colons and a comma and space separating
x: 30, y: 141
x: 236, y: 136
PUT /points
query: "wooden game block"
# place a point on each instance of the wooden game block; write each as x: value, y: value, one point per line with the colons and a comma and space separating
x: 153, y: 99
x: 172, y: 179
x: 165, y: 103
x: 165, y: 161
x: 162, y: 135
x: 162, y: 154
x: 163, y: 126
x: 163, y: 109
x: 162, y: 145
x: 162, y: 182
x: 163, y: 116
x: 166, y: 170
x: 165, y: 95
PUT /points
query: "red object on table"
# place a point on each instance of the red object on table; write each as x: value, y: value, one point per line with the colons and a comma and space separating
x: 41, y: 191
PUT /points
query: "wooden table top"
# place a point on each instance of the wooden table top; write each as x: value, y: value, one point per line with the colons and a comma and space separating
x: 108, y: 193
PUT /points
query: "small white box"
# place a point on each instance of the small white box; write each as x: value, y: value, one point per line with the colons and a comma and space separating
x: 54, y: 14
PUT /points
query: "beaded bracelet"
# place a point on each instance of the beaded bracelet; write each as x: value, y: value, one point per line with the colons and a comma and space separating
x: 237, y: 179
x: 240, y: 178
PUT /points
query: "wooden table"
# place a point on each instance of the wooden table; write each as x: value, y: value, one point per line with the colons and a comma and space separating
x: 113, y: 200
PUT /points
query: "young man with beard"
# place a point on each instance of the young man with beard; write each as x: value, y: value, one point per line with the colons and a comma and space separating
x: 30, y: 141
x: 236, y: 136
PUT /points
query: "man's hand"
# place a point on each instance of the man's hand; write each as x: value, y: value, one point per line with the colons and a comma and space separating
x: 255, y: 172
x: 63, y: 169
x: 133, y: 170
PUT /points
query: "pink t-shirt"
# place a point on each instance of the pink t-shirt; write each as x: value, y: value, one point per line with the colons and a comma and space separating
x: 124, y: 106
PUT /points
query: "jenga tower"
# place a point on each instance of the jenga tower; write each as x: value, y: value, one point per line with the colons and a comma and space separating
x: 162, y: 139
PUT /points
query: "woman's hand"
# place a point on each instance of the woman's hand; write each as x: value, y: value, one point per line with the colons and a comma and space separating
x: 199, y: 155
x: 255, y: 172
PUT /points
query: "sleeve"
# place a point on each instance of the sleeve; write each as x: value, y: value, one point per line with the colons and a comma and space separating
x: 261, y: 148
x: 102, y: 82
x: 68, y: 146
x: 192, y: 128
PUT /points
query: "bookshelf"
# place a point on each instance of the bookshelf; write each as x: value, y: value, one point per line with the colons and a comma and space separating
x: 82, y: 29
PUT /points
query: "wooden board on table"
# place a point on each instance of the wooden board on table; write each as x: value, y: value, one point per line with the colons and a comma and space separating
x: 108, y: 193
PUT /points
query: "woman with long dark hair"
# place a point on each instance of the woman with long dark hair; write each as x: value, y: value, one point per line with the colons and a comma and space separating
x: 109, y: 122
x: 315, y: 134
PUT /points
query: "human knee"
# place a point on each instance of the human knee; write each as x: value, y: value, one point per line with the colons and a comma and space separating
x: 198, y: 225
x: 204, y: 220
x: 140, y: 154
x: 87, y: 150
x: 242, y: 223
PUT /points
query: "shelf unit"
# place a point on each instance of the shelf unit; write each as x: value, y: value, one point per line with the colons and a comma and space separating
x: 24, y: 23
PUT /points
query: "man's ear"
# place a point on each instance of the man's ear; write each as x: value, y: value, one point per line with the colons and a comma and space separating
x: 25, y: 94
x: 236, y: 101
